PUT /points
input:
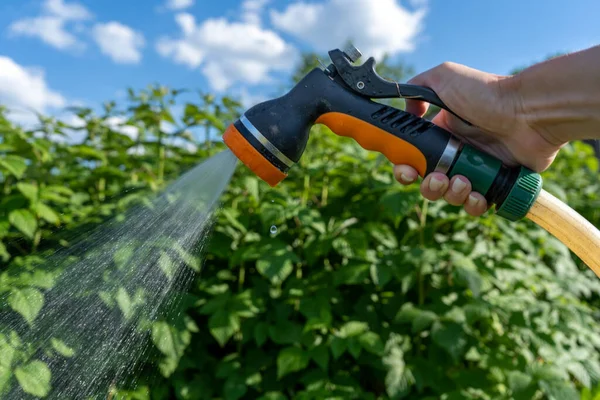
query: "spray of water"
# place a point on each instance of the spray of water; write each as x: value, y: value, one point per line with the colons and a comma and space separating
x: 120, y: 289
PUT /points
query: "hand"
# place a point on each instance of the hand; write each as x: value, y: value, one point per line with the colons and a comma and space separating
x: 493, y: 105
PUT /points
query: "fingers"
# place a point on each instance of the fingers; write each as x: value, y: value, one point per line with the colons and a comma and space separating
x: 456, y: 191
x: 459, y: 190
x: 405, y: 174
x: 476, y: 204
x: 434, y: 186
x: 416, y: 107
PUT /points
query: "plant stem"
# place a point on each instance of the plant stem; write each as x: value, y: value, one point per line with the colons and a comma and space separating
x: 37, y: 237
x: 325, y: 191
x: 207, y: 135
x: 161, y: 163
x: 305, y: 191
x: 101, y: 189
x: 241, y: 277
x: 423, y: 220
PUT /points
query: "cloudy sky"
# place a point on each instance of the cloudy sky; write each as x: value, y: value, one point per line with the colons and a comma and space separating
x: 55, y: 53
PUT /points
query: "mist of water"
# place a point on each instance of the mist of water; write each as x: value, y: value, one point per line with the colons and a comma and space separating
x: 120, y: 284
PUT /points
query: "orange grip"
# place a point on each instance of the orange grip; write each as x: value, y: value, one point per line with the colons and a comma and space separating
x: 370, y: 137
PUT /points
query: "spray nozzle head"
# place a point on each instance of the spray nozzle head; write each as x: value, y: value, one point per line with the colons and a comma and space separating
x: 246, y: 151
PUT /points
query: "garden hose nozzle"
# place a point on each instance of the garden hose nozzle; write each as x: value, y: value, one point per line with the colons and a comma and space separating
x: 271, y: 136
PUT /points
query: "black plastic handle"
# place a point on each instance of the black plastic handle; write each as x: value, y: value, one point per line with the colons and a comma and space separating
x: 402, y: 137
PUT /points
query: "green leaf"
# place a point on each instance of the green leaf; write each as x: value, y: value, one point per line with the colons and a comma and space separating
x: 14, y: 164
x: 4, y: 254
x: 34, y: 378
x: 24, y: 221
x: 28, y: 302
x: 260, y: 333
x: 166, y: 265
x: 8, y: 355
x: 518, y: 381
x: 277, y: 262
x: 46, y: 213
x: 407, y: 313
x: 580, y: 373
x: 353, y: 328
x: 450, y: 337
x: 320, y: 355
x: 223, y: 325
x: 466, y: 273
x: 353, y: 244
x: 317, y: 310
x: 234, y: 388
x: 170, y: 341
x: 273, y: 396
x: 354, y: 347
x: 380, y: 274
x: 28, y: 190
x: 397, y: 203
x: 125, y: 302
x: 291, y: 359
x: 123, y: 254
x: 559, y: 390
x: 423, y: 320
x: 285, y: 332
x: 353, y: 273
x: 61, y: 348
x: 251, y: 184
x: 87, y: 152
x: 382, y: 234
x: 371, y: 342
x: 187, y: 258
x: 398, y: 379
x: 338, y: 347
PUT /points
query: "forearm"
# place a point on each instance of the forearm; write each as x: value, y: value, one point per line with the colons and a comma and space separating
x: 560, y: 98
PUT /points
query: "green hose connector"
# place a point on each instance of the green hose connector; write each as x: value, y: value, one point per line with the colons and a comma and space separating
x: 512, y: 202
x: 480, y: 168
x: 521, y: 197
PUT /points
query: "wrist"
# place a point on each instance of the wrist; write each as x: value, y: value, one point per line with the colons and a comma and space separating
x: 559, y: 98
x: 512, y: 107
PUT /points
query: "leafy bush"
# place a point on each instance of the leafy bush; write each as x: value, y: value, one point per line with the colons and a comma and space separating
x: 365, y: 290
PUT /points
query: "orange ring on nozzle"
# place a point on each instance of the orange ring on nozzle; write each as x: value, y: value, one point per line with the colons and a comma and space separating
x: 251, y: 157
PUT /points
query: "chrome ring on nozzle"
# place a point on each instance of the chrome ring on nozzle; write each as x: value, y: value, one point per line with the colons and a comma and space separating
x: 448, y: 155
x: 265, y: 142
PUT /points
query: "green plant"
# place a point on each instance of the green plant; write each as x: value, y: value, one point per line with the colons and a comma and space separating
x: 365, y: 291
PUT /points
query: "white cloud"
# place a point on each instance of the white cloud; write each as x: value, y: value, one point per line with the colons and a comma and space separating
x: 119, y: 124
x: 50, y: 30
x: 67, y: 11
x: 51, y: 26
x: 252, y: 9
x: 121, y: 43
x: 375, y: 27
x: 228, y: 52
x: 26, y: 89
x: 179, y: 4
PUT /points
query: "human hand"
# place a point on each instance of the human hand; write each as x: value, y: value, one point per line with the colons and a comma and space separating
x: 493, y: 104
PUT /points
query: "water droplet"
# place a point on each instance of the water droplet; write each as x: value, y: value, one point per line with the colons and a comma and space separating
x: 273, y: 229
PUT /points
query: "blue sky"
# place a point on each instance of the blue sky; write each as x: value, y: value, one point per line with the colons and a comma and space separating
x: 54, y: 53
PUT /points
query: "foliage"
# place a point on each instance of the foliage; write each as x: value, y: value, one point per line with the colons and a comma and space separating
x: 365, y: 291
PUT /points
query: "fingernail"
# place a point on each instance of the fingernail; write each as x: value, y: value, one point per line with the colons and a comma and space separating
x: 435, y: 184
x: 458, y: 185
x: 406, y: 178
x: 472, y: 201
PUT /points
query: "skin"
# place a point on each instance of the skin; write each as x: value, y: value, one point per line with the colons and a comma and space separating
x: 523, y: 119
